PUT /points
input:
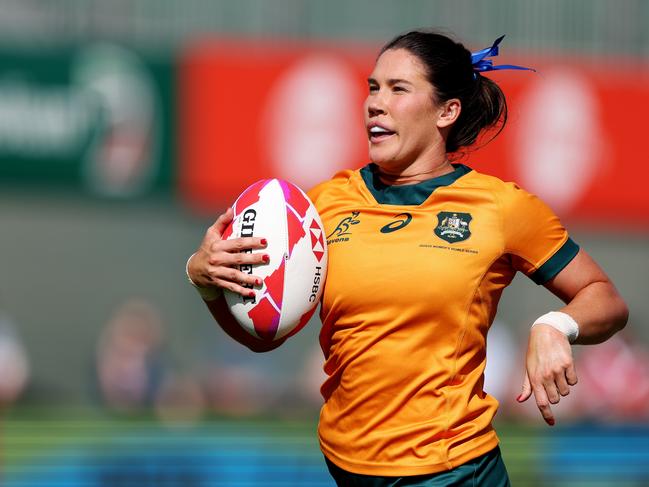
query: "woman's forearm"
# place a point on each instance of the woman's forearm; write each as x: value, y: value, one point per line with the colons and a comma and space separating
x: 599, y: 310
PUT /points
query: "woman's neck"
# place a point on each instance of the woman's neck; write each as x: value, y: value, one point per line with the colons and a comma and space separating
x: 413, y: 175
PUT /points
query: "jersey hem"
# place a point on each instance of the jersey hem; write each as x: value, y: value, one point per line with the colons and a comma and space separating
x: 488, y: 442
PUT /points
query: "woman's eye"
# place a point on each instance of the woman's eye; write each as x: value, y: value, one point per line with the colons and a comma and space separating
x: 398, y: 88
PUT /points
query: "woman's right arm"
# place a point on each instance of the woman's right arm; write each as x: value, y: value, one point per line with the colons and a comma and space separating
x: 215, y: 266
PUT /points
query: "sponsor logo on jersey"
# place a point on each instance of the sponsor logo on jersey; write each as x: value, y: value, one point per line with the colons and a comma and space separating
x: 342, y: 231
x: 403, y: 220
x: 453, y: 226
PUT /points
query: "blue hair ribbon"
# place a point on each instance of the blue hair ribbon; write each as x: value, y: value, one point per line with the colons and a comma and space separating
x: 481, y: 64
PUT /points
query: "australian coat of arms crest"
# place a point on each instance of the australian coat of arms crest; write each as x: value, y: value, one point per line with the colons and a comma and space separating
x: 453, y: 226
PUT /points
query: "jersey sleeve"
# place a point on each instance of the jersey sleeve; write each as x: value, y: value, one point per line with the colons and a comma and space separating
x: 538, y: 243
x: 330, y: 191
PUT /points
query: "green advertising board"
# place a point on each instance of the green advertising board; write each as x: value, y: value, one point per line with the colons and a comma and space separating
x: 96, y: 118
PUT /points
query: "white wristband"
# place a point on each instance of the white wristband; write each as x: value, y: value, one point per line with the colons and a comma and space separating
x: 562, y: 322
x: 207, y: 293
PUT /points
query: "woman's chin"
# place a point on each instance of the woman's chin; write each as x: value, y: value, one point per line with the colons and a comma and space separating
x: 387, y: 164
x: 380, y: 157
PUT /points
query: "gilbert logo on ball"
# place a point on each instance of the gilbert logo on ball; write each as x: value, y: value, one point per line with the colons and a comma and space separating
x: 294, y: 278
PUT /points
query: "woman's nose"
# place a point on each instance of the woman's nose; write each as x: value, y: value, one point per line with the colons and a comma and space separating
x: 375, y: 106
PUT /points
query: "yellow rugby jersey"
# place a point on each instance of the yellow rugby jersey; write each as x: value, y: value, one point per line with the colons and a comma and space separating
x: 414, y: 277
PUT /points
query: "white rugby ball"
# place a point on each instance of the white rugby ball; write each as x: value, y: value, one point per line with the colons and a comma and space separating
x: 294, y: 278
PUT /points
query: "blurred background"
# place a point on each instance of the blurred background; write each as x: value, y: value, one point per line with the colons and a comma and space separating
x: 127, y: 126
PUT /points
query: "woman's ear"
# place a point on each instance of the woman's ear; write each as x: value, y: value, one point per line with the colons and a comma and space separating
x: 449, y: 112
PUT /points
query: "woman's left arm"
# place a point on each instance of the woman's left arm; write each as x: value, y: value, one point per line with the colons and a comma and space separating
x: 595, y: 305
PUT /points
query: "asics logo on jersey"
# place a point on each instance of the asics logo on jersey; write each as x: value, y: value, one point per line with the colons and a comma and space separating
x: 341, y: 232
x: 398, y: 224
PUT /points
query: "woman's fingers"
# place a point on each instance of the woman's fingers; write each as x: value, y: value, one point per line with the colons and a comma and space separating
x: 562, y: 384
x: 242, y: 244
x: 238, y: 253
x: 228, y: 264
x: 571, y: 375
x: 551, y: 390
x: 526, y: 390
x: 550, y: 368
x: 244, y: 291
x: 233, y: 280
x: 543, y: 403
x: 231, y: 274
x: 222, y: 222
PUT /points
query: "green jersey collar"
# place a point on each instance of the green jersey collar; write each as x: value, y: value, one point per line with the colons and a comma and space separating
x: 407, y: 194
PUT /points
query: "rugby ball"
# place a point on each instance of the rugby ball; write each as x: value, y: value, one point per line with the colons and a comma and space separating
x: 294, y: 277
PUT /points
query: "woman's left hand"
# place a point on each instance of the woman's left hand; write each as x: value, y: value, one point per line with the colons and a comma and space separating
x: 550, y: 370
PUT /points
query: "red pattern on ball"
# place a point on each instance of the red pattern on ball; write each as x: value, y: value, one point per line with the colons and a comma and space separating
x: 275, y: 285
x: 265, y: 318
x: 249, y: 196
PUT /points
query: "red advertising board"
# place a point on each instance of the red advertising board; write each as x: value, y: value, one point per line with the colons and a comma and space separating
x: 250, y: 110
x: 576, y: 137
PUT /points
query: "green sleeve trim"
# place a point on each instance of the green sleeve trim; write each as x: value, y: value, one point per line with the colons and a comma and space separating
x: 556, y: 263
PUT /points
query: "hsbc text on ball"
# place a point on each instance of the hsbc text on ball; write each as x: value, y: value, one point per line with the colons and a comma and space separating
x: 316, y: 284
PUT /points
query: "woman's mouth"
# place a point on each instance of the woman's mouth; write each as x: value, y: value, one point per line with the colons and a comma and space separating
x: 377, y: 133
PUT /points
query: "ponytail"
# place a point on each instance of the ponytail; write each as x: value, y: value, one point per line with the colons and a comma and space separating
x: 484, y: 108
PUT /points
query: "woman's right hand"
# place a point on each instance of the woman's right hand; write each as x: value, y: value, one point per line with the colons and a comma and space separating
x: 217, y: 261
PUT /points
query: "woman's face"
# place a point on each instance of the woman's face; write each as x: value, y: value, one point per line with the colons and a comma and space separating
x: 401, y: 114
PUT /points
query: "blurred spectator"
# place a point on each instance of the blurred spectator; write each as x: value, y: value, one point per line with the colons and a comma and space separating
x: 130, y: 363
x: 614, y: 380
x: 237, y: 389
x: 14, y: 363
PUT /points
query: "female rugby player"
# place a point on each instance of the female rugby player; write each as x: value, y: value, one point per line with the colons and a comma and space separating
x: 413, y: 287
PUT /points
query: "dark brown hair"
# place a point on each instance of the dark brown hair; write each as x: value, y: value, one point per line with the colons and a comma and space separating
x: 449, y: 70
